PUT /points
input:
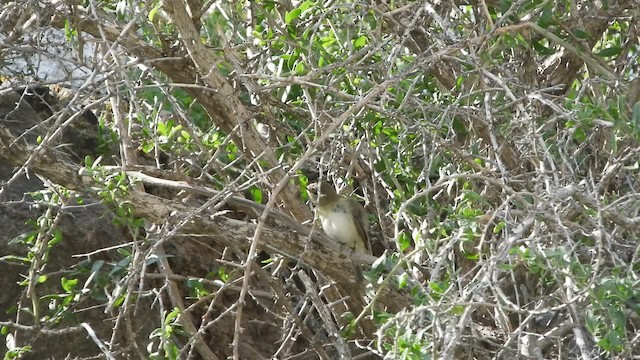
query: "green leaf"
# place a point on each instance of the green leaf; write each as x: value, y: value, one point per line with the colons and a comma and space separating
x: 88, y: 161
x: 498, y: 228
x: 68, y: 284
x: 69, y: 33
x: 546, y: 18
x: 172, y: 316
x: 306, y: 5
x: 506, y: 267
x: 360, y: 42
x: 118, y: 301
x: 292, y: 15
x: 542, y: 50
x: 97, y: 266
x: 163, y: 129
x: 57, y: 237
x: 404, y: 241
x: 154, y: 11
x: 471, y: 256
x: 436, y: 287
x: 402, y: 280
x: 9, y: 258
x: 223, y: 274
x: 147, y: 147
x: 256, y: 194
x: 579, y: 135
x: 580, y: 34
x: 611, y: 51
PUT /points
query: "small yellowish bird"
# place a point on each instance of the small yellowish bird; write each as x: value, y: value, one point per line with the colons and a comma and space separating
x: 343, y: 219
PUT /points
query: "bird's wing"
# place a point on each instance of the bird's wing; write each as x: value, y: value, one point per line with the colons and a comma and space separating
x: 362, y: 223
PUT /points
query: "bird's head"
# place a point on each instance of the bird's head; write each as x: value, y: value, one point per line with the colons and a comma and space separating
x: 323, y: 190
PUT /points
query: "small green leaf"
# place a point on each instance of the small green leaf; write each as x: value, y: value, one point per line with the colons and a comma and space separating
x: 471, y: 256
x: 542, y: 50
x: 9, y: 258
x: 256, y: 194
x: 546, y: 18
x: 118, y: 301
x: 402, y: 280
x: 154, y: 11
x: 404, y: 241
x: 88, y: 161
x: 498, y: 228
x: 41, y: 279
x: 360, y: 42
x: 580, y: 34
x: 579, y: 135
x: 223, y: 274
x: 172, y: 316
x: 57, y: 237
x: 306, y: 5
x: 611, y: 51
x: 435, y: 287
x: 97, y: 266
x: 148, y: 147
x: 506, y: 267
x: 68, y: 284
x: 292, y: 15
x: 69, y: 33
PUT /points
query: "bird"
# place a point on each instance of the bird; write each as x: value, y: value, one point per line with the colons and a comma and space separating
x: 343, y: 219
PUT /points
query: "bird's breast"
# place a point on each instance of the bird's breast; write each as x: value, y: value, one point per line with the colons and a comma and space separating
x: 339, y: 226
